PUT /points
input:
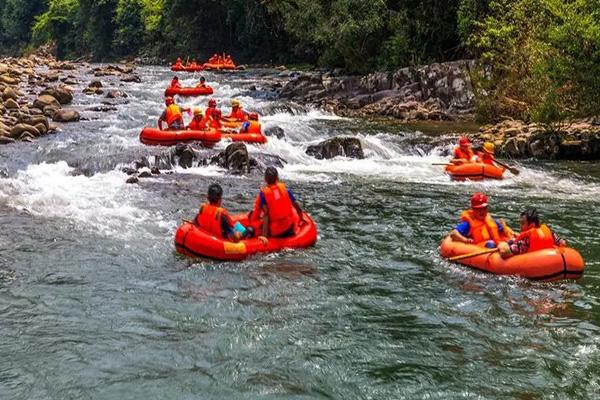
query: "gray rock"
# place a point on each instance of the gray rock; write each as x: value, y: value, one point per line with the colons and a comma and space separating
x: 18, y: 130
x: 11, y: 104
x: 45, y: 100
x: 63, y: 94
x: 338, y: 146
x: 113, y: 94
x: 132, y: 179
x: 66, y: 115
x: 275, y: 131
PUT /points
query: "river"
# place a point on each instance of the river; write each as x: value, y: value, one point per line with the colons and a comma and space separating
x: 96, y: 304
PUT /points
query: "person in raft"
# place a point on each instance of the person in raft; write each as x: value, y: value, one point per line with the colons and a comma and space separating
x: 172, y: 116
x: 463, y: 152
x: 478, y: 227
x: 534, y: 236
x: 214, y: 59
x: 198, y: 123
x: 216, y: 220
x: 276, y: 204
x: 214, y: 119
x: 175, y: 83
x: 228, y: 60
x: 486, y: 155
x: 237, y: 113
x: 202, y: 83
x: 212, y: 106
x: 252, y: 125
x: 178, y: 62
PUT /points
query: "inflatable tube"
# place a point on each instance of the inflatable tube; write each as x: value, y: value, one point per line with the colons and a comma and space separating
x: 474, y: 171
x: 156, y: 137
x: 232, y: 124
x: 543, y: 265
x: 189, y: 91
x: 218, y: 67
x: 195, y: 242
x: 245, y: 137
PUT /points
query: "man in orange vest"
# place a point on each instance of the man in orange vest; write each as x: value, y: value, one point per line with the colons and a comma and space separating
x: 212, y: 105
x: 252, y: 125
x: 178, y: 62
x: 478, y: 227
x: 214, y: 59
x: 175, y: 83
x: 216, y: 220
x: 277, y: 205
x: 213, y: 120
x: 237, y: 113
x: 534, y: 236
x: 463, y: 152
x: 172, y: 116
x: 198, y: 123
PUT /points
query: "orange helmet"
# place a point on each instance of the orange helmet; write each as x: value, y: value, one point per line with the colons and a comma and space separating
x: 253, y: 116
x: 479, y: 200
x: 212, y: 103
x: 464, y: 141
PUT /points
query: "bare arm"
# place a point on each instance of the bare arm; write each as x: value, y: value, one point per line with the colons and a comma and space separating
x: 456, y: 236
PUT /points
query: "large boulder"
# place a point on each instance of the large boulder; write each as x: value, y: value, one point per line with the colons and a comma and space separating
x: 235, y: 158
x: 9, y: 93
x: 275, y: 131
x: 114, y: 94
x: 63, y: 94
x: 184, y: 155
x: 18, y: 130
x: 11, y: 104
x: 46, y: 100
x: 131, y: 78
x: 66, y: 115
x: 335, y: 147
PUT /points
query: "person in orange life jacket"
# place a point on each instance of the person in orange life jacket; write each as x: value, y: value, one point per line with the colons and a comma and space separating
x: 237, y: 113
x: 252, y: 125
x: 463, y: 152
x: 175, y: 83
x: 486, y: 155
x: 216, y: 220
x: 212, y: 105
x: 277, y: 206
x: 202, y: 83
x: 228, y: 60
x: 214, y: 59
x: 198, y: 123
x: 178, y: 62
x: 172, y: 115
x: 534, y: 236
x: 193, y: 64
x: 214, y: 119
x: 478, y: 227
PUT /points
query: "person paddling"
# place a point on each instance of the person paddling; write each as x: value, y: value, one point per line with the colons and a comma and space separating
x: 252, y: 125
x: 534, y: 236
x: 202, y: 84
x: 486, y: 155
x: 198, y: 123
x: 216, y: 220
x: 175, y: 83
x: 478, y: 227
x: 237, y: 113
x: 172, y: 115
x: 463, y: 152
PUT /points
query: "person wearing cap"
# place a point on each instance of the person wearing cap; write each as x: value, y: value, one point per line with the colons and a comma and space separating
x: 202, y: 83
x: 463, y: 152
x: 175, y: 83
x: 215, y: 219
x: 197, y: 123
x: 237, y: 113
x: 478, y: 227
x: 252, y: 125
x: 486, y: 155
x: 214, y: 119
x: 214, y: 59
x: 212, y: 105
x: 534, y: 236
x: 172, y: 116
x: 178, y: 62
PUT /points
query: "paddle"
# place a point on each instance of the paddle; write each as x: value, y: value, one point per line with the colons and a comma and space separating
x: 508, y: 167
x: 475, y: 254
x: 187, y: 221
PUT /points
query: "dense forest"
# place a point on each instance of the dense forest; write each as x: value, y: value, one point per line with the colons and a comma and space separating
x: 540, y: 58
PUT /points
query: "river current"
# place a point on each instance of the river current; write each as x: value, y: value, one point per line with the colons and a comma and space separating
x: 96, y: 304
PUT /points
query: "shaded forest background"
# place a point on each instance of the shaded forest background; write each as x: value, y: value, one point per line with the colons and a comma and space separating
x: 540, y: 59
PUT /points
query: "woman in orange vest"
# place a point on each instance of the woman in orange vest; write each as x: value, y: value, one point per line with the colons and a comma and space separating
x: 534, y: 236
x: 237, y: 113
x: 463, y: 152
x: 172, y: 116
x: 252, y: 125
x: 277, y: 206
x: 477, y: 226
x: 198, y: 123
x: 487, y: 154
x: 216, y: 220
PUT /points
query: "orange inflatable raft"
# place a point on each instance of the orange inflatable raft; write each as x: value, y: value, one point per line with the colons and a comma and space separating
x: 195, y: 242
x: 157, y: 137
x: 474, y: 171
x: 189, y: 91
x: 553, y: 264
x: 183, y: 68
x: 257, y: 138
x: 218, y: 67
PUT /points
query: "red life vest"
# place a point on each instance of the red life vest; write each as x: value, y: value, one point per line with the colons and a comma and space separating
x: 196, y: 125
x: 539, y: 238
x: 486, y: 158
x: 209, y: 219
x: 462, y: 154
x: 175, y: 84
x: 209, y: 111
x: 252, y: 127
x: 481, y: 231
x: 173, y: 114
x: 280, y: 207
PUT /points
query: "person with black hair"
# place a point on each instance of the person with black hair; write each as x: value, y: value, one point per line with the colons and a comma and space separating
x: 276, y: 205
x: 216, y: 220
x: 534, y: 236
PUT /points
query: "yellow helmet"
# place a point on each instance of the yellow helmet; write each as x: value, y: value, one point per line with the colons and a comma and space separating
x: 235, y: 103
x: 489, y: 147
x: 198, y: 112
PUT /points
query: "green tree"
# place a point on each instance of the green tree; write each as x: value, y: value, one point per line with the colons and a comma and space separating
x: 129, y: 36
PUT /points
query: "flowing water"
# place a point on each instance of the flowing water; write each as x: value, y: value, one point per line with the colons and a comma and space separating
x: 96, y: 304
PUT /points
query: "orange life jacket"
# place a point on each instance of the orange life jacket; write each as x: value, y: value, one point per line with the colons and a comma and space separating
x: 486, y: 158
x: 281, y: 209
x: 175, y: 85
x: 211, y: 122
x: 252, y: 127
x: 201, y: 86
x: 209, y: 111
x: 463, y: 155
x: 481, y: 231
x: 238, y: 114
x: 209, y: 219
x: 539, y: 238
x: 196, y: 125
x: 173, y: 114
